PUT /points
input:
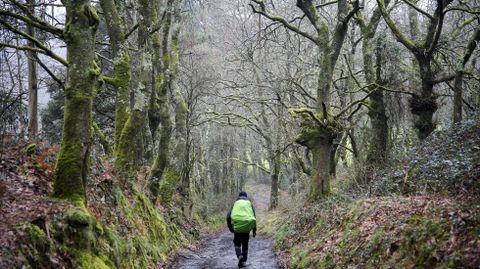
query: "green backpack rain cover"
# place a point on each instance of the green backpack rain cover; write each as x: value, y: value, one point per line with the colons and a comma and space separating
x: 242, y: 216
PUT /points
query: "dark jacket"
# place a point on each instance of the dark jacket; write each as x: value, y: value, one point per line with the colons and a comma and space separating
x: 229, y: 218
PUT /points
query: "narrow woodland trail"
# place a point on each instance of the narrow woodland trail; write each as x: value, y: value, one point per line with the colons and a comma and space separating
x: 216, y: 251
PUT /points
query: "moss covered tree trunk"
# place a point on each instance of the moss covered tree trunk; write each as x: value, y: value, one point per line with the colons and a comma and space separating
x: 377, y: 146
x: 318, y: 133
x: 458, y: 81
x: 166, y: 173
x: 122, y: 67
x: 320, y: 182
x: 321, y: 144
x: 377, y: 151
x: 275, y: 163
x: 422, y: 105
x: 72, y: 163
x: 329, y: 43
x: 179, y: 160
x: 129, y: 150
x: 180, y: 154
x: 160, y: 108
x: 276, y: 153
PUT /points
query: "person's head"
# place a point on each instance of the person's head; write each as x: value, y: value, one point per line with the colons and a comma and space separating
x: 242, y: 194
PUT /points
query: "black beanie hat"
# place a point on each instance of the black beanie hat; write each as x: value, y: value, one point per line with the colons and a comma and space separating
x: 242, y: 194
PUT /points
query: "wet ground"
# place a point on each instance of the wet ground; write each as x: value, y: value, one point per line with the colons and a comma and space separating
x: 218, y: 253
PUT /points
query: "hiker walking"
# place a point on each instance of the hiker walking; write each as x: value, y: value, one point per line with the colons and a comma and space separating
x: 241, y: 220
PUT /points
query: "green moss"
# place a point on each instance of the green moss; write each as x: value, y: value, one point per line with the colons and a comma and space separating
x: 169, y: 184
x: 85, y: 260
x: 122, y: 70
x: 78, y: 217
x: 311, y: 131
x: 37, y: 238
x: 102, y: 138
x: 139, y: 236
x: 70, y: 173
x: 156, y: 40
x: 95, y: 71
x: 36, y: 252
x: 126, y: 148
x: 181, y: 107
x: 72, y: 162
x: 122, y: 76
x: 80, y: 232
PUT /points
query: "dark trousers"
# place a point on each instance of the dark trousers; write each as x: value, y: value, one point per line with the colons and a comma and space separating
x: 240, y: 241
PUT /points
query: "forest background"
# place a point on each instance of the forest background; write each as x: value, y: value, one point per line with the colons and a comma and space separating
x: 177, y: 105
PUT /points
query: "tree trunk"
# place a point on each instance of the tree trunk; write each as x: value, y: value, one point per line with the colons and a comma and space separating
x: 32, y: 82
x: 458, y: 87
x: 160, y: 111
x: 180, y: 155
x: 377, y: 151
x: 329, y: 50
x: 333, y: 160
x: 377, y: 146
x: 457, y: 97
x: 320, y: 181
x: 275, y: 163
x: 317, y: 134
x: 130, y: 148
x: 72, y: 163
x: 122, y: 66
x: 424, y: 106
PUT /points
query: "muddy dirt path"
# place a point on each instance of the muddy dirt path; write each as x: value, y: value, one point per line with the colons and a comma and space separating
x: 217, y: 252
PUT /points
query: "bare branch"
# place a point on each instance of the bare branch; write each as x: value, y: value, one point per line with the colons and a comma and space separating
x: 418, y: 9
x: 281, y: 20
x: 35, y: 22
x: 39, y: 44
